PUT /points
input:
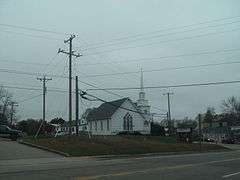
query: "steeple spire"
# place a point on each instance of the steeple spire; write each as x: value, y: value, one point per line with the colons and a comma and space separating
x: 142, y: 103
x: 141, y: 85
x: 141, y: 93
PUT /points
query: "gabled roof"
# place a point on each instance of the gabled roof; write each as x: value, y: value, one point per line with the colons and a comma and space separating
x: 105, y: 110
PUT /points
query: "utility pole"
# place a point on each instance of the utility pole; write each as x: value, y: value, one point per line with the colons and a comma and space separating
x: 77, y: 106
x: 12, y: 106
x: 70, y: 54
x: 169, y: 112
x: 44, y: 79
x: 200, y: 131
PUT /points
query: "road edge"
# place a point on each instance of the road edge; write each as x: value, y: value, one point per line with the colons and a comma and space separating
x: 159, y: 154
x: 123, y: 155
x: 44, y: 148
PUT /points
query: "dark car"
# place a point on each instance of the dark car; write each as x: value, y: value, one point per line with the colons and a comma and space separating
x: 228, y: 141
x: 7, y: 132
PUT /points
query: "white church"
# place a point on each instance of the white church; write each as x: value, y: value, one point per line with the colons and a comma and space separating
x: 121, y: 115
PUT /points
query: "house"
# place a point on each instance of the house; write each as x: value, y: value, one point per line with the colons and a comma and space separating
x: 221, y: 129
x: 120, y: 115
x: 64, y: 128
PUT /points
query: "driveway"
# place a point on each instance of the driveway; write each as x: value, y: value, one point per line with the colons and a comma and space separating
x: 10, y: 150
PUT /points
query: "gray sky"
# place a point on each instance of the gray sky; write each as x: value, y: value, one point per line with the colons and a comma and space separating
x: 102, y: 23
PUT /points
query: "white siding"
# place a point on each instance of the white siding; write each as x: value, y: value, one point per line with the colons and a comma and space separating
x: 138, y: 120
x: 116, y: 122
x: 100, y: 131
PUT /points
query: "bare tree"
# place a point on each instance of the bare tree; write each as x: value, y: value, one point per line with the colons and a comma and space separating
x: 231, y: 105
x: 231, y: 110
x: 209, y: 116
x: 5, y: 100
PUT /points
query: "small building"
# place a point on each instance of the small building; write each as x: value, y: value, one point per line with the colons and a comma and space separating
x: 122, y: 115
x: 64, y: 128
x: 185, y: 135
x: 221, y: 131
x: 113, y: 117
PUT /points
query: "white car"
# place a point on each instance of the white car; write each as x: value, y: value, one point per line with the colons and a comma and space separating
x: 59, y: 133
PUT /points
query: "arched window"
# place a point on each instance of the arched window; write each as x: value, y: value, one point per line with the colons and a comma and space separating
x: 127, y: 122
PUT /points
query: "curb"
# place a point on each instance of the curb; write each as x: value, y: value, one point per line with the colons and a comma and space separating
x: 122, y: 155
x: 44, y: 148
x: 157, y: 154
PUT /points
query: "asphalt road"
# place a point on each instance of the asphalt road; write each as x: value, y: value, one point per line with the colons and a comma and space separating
x: 206, y: 166
x: 13, y: 150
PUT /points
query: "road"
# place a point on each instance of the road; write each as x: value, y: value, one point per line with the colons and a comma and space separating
x: 212, y: 166
x: 13, y: 150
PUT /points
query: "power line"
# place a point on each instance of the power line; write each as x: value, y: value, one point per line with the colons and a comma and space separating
x: 33, y: 29
x: 166, y: 57
x: 30, y: 35
x: 52, y: 75
x: 168, y: 86
x: 22, y: 62
x: 30, y: 98
x: 111, y: 103
x: 160, y: 35
x: 109, y: 92
x: 91, y: 85
x: 164, y: 41
x: 129, y: 60
x: 163, y: 69
x: 166, y: 29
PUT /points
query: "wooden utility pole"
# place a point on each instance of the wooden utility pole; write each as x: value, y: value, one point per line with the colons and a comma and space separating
x: 169, y: 112
x: 70, y: 54
x: 12, y: 106
x: 44, y: 79
x: 77, y: 106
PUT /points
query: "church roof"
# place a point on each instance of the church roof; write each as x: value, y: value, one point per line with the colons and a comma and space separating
x: 105, y: 110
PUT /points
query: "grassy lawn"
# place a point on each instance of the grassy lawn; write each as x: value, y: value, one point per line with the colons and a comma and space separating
x: 117, y: 145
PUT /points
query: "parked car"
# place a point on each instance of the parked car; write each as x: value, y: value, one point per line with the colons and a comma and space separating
x: 228, y: 141
x: 7, y: 132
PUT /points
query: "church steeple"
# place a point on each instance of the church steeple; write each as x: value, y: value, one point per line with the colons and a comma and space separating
x: 141, y: 85
x: 141, y: 93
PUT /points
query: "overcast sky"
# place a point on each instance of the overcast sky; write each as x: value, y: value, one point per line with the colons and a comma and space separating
x: 117, y: 36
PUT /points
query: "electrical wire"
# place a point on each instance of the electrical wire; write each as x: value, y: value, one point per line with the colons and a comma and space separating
x: 164, y: 41
x: 166, y: 29
x: 163, y: 69
x: 160, y: 35
x: 166, y: 57
x: 33, y: 29
x: 168, y: 86
x: 31, y: 35
x: 111, y: 103
x: 30, y: 98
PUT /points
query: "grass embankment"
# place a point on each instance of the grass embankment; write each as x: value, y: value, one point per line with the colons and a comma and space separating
x: 116, y: 145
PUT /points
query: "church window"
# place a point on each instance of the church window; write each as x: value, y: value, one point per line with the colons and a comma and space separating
x: 101, y: 126
x: 95, y: 125
x: 127, y: 122
x: 108, y: 124
x: 90, y: 126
